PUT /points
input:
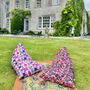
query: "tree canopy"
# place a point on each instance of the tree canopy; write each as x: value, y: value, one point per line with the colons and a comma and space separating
x: 71, y: 17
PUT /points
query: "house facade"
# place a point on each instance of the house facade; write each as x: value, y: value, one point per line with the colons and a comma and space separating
x: 43, y: 13
x: 88, y: 23
x: 0, y: 14
x: 84, y: 25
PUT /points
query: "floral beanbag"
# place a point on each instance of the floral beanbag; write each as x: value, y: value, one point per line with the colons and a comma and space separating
x: 23, y: 63
x: 61, y: 70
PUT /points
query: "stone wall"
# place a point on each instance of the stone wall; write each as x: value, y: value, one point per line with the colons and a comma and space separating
x: 46, y: 9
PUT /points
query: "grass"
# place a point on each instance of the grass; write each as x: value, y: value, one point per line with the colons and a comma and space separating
x: 45, y: 50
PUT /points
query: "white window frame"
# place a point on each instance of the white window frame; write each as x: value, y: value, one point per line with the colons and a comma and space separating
x: 39, y: 2
x: 46, y: 21
x: 7, y: 23
x: 25, y: 26
x: 17, y: 3
x: 42, y: 22
x: 7, y: 6
x: 27, y: 3
x: 54, y: 2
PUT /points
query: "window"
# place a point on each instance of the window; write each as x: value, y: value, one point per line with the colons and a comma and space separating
x: 52, y: 20
x: 7, y: 23
x: 7, y: 6
x: 17, y: 3
x: 54, y: 2
x: 27, y: 4
x: 45, y: 21
x: 8, y: 14
x: 38, y: 3
x: 40, y: 22
x: 27, y: 25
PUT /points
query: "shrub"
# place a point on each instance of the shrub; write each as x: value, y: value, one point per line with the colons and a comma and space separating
x: 4, y: 31
x: 30, y: 33
x: 16, y: 25
x: 39, y: 33
x: 56, y: 26
x: 71, y: 16
x: 33, y: 33
x: 17, y: 20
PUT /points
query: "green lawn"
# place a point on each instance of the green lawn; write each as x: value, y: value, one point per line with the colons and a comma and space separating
x: 45, y: 49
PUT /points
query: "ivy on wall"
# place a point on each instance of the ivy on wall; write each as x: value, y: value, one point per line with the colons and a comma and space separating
x: 71, y: 17
x: 88, y: 23
x: 17, y: 20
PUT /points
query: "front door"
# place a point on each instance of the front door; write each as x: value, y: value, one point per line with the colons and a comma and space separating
x: 26, y: 25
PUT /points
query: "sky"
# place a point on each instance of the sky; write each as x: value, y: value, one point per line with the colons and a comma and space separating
x: 87, y: 4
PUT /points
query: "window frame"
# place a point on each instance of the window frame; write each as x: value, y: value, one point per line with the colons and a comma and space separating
x: 7, y: 23
x: 42, y: 22
x: 27, y: 4
x: 17, y: 4
x: 46, y: 21
x: 27, y: 25
x: 7, y: 6
x: 39, y: 3
x: 55, y: 2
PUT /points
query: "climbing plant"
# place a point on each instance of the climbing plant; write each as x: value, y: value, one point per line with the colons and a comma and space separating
x: 17, y: 20
x: 88, y: 23
x: 71, y: 17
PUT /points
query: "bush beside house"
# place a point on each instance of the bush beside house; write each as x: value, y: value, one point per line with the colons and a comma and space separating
x: 33, y: 33
x: 4, y: 31
x: 71, y: 17
x: 17, y: 20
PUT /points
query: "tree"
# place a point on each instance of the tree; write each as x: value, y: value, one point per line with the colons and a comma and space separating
x: 17, y: 20
x: 71, y: 17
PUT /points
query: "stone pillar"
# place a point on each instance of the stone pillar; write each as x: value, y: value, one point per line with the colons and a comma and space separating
x: 82, y: 29
x: 86, y: 29
x: 25, y: 25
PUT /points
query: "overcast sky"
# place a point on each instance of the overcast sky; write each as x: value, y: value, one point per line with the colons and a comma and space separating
x: 87, y: 4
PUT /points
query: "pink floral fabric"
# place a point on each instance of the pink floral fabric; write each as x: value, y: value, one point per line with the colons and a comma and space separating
x: 61, y: 70
x: 23, y: 63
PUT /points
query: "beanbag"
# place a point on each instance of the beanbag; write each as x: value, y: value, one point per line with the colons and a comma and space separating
x: 61, y: 70
x: 23, y: 63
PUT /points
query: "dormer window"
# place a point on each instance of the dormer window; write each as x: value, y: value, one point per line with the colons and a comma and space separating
x: 54, y: 2
x: 17, y: 3
x: 27, y: 4
x: 39, y: 3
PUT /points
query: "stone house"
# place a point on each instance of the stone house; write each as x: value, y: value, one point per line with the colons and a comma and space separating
x: 43, y: 13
